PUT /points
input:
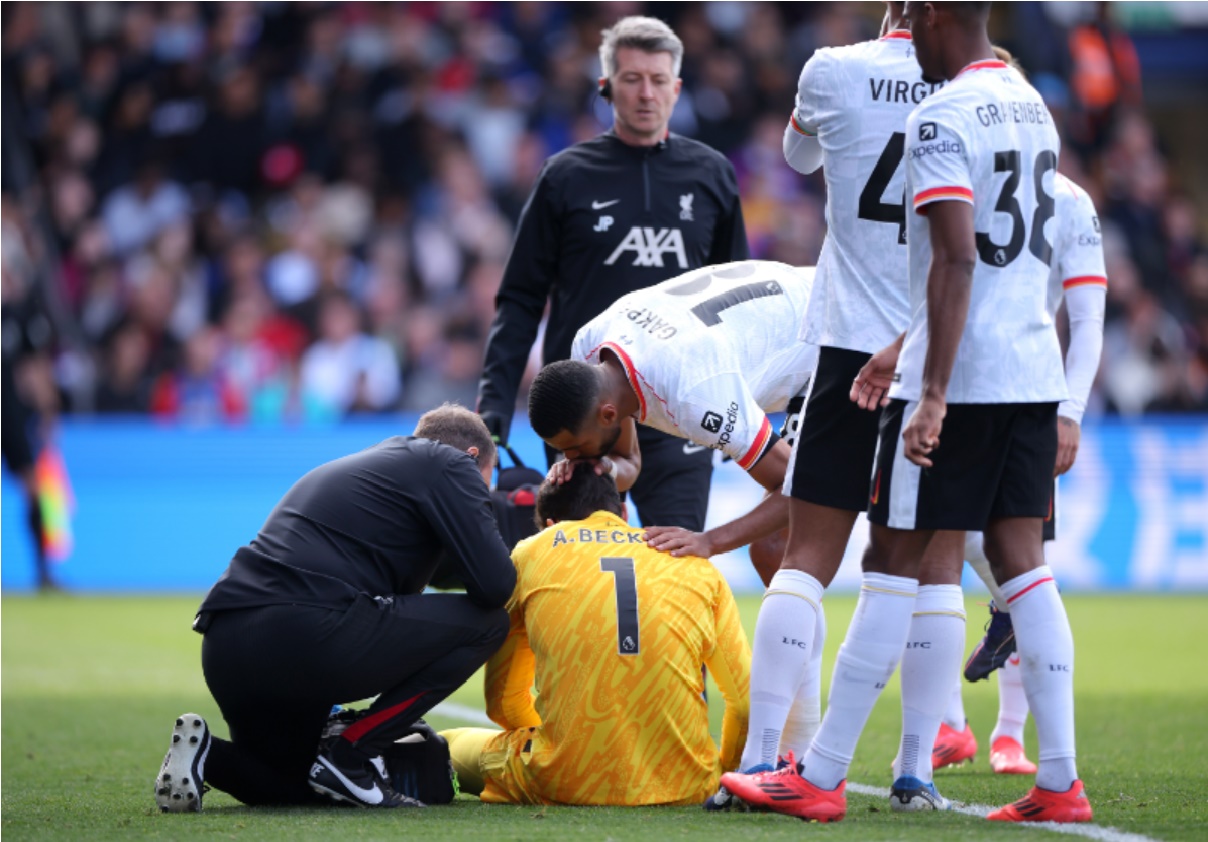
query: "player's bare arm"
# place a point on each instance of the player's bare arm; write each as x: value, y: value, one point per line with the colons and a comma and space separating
x: 1069, y: 436
x: 625, y: 456
x: 768, y: 517
x: 948, y: 287
x: 870, y: 389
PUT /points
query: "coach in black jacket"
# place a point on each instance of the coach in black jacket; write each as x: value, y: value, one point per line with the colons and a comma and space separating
x: 623, y: 211
x: 325, y: 606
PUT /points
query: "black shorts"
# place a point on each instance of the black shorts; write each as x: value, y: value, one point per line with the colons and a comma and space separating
x: 994, y: 461
x: 832, y: 458
x: 1050, y: 520
x: 793, y: 414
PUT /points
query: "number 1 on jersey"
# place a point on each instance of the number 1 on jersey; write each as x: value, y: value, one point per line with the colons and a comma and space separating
x: 629, y: 641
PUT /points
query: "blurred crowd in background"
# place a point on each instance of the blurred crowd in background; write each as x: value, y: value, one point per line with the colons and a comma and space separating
x: 296, y: 211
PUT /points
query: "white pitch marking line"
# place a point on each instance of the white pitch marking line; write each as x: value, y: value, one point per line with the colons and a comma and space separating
x: 1103, y: 834
x: 465, y: 713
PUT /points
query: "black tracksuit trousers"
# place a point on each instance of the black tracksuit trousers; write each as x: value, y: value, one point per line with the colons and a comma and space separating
x: 276, y: 671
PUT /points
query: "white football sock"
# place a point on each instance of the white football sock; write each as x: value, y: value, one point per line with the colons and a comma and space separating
x: 1012, y: 702
x: 1046, y: 660
x: 975, y: 554
x: 954, y: 716
x: 931, y: 664
x: 783, y: 646
x: 867, y: 659
x: 806, y: 713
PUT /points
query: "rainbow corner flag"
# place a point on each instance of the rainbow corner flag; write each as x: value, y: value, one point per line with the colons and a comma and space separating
x: 57, y: 502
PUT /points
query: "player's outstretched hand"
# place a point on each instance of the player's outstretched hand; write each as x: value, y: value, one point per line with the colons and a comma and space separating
x: 870, y: 389
x: 678, y: 541
x: 922, y: 433
x: 1069, y: 436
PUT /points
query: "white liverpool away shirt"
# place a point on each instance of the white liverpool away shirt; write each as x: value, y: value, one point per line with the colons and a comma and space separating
x: 856, y: 99
x: 987, y: 139
x: 711, y: 352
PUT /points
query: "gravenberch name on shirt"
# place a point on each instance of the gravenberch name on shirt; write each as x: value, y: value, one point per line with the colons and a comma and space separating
x: 1005, y: 111
x: 897, y: 91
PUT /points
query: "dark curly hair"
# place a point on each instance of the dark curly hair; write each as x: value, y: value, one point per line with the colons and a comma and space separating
x: 562, y: 396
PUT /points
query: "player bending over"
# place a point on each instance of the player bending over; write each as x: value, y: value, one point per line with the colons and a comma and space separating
x: 615, y: 634
x: 704, y: 357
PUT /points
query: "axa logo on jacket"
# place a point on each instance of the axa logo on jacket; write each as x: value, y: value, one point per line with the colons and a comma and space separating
x: 650, y: 245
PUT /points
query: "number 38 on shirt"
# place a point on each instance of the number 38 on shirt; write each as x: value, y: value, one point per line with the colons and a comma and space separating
x: 1032, y: 231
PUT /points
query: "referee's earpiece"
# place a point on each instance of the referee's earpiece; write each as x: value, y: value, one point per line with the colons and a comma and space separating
x: 606, y: 90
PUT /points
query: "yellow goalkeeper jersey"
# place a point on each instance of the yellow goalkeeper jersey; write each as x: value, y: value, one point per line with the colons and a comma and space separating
x: 613, y: 634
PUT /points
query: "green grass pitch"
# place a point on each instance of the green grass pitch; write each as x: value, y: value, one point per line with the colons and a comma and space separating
x: 91, y: 686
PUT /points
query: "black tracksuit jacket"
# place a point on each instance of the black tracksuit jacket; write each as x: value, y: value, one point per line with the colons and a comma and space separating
x: 603, y: 220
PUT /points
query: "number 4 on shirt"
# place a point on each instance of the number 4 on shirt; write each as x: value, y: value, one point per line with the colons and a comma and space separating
x: 629, y: 641
x: 872, y: 207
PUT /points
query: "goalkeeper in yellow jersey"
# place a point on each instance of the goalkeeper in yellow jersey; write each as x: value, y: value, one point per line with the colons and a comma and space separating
x: 613, y: 635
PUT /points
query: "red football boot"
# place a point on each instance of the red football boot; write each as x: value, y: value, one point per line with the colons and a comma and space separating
x: 1042, y: 805
x: 953, y: 747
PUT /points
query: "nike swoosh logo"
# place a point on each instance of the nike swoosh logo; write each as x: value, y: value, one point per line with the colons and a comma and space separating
x: 602, y: 205
x: 369, y: 796
x: 690, y: 448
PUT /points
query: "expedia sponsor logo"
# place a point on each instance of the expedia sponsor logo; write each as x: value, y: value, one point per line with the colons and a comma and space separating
x: 928, y: 131
x: 727, y: 430
x: 1088, y: 240
x: 652, y: 323
x: 711, y: 422
x: 944, y: 147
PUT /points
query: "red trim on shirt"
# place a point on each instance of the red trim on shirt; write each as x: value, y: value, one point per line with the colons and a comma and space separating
x: 1084, y: 280
x: 631, y: 372
x: 1028, y: 588
x: 936, y: 194
x: 985, y: 64
x: 798, y: 128
x: 761, y: 442
x: 895, y: 35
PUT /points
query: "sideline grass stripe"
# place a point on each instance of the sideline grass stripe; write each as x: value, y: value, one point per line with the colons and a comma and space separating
x: 454, y: 710
x: 465, y: 713
x: 1090, y: 831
